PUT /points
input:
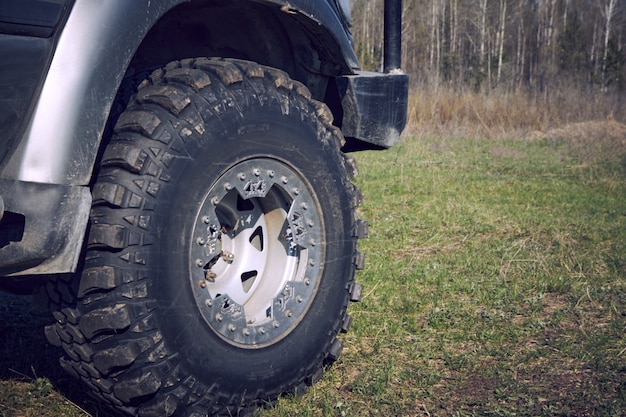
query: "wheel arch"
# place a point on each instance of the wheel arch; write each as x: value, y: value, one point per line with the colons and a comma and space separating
x: 102, y: 44
x: 308, y: 42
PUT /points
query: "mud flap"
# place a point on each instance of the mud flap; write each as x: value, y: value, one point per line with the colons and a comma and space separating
x: 42, y: 227
x: 374, y: 106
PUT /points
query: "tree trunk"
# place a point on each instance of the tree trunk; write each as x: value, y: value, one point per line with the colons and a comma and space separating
x: 609, y: 10
x: 501, y: 38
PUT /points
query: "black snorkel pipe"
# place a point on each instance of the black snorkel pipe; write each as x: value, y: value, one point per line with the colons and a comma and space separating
x: 392, y: 47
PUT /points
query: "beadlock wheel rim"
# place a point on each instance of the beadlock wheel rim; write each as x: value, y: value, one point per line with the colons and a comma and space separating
x: 256, y: 252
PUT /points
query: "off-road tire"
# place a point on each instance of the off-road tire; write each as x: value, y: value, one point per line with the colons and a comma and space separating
x: 203, y: 144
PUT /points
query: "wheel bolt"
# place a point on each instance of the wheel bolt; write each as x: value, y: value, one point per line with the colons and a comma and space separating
x: 275, y: 324
x: 206, y: 219
x: 228, y: 186
x: 284, y: 180
x: 257, y: 172
x: 208, y: 303
x: 299, y: 298
x: 202, y: 284
x: 241, y: 176
x: 201, y: 241
x: 228, y: 256
x: 262, y: 330
x: 296, y: 191
x: 304, y: 206
x: 210, y: 276
x: 271, y: 173
x: 232, y: 327
x: 246, y: 332
x: 219, y: 317
x: 199, y: 263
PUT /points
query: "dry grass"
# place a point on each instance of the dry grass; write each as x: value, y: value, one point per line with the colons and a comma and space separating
x: 594, y: 142
x: 447, y: 111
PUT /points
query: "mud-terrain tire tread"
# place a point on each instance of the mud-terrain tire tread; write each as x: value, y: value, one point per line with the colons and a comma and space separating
x: 105, y: 320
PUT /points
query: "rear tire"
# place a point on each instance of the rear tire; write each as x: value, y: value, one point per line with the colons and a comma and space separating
x: 222, y: 248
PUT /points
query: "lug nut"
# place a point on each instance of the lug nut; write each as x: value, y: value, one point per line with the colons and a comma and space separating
x: 210, y: 276
x: 228, y: 256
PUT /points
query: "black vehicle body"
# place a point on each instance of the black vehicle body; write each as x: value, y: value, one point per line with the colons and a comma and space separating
x: 64, y: 64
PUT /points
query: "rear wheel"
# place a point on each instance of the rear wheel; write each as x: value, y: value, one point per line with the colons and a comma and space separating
x: 222, y: 248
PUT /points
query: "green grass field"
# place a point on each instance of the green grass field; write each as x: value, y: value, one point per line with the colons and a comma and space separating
x: 495, y: 285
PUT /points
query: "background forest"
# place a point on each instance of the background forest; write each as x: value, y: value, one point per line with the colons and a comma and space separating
x: 540, y: 63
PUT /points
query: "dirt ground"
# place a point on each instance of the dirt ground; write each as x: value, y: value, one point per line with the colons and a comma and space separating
x: 590, y: 141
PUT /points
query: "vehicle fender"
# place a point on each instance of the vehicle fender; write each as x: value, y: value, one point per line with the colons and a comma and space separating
x: 94, y: 49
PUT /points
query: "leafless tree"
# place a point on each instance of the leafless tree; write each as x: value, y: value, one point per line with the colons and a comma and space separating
x: 511, y: 44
